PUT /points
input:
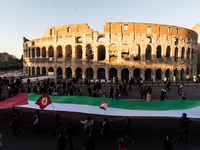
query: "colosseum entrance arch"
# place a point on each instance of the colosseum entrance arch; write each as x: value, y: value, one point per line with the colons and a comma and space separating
x: 113, y: 54
x: 148, y: 74
x: 137, y: 55
x: 59, y: 73
x: 50, y: 52
x: 136, y: 73
x: 68, y: 73
x: 112, y: 73
x: 101, y: 52
x: 125, y: 74
x: 43, y: 71
x: 125, y: 51
x: 68, y: 51
x: 50, y: 71
x: 33, y: 71
x: 38, y: 70
x: 148, y: 52
x: 89, y: 73
x: 158, y: 74
x: 101, y: 73
x: 79, y: 73
x: 78, y: 52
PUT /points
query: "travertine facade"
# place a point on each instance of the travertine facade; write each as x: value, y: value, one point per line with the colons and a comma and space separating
x: 124, y: 50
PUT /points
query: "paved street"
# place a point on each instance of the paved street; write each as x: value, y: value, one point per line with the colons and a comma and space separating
x: 148, y: 133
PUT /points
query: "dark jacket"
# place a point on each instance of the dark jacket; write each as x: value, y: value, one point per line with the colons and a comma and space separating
x: 128, y: 128
x: 185, y: 123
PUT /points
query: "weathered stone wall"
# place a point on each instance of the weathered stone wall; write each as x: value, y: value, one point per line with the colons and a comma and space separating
x: 124, y: 50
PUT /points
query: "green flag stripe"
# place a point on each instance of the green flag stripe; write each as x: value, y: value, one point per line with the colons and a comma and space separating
x: 120, y: 103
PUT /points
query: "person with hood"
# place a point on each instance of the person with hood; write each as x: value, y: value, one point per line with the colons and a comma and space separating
x: 168, y: 143
x: 105, y: 129
x: 87, y: 127
x: 128, y: 131
x: 121, y: 144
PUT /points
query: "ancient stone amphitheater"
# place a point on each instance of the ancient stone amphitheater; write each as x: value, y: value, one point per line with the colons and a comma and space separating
x: 124, y: 50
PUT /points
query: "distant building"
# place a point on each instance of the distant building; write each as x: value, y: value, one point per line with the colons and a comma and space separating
x: 6, y: 57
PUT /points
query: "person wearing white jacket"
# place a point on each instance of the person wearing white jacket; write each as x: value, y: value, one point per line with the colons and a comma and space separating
x: 87, y: 127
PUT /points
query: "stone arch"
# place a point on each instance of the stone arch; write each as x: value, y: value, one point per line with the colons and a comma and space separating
x: 101, y: 52
x: 29, y: 53
x: 125, y: 74
x: 59, y: 51
x: 125, y: 51
x: 148, y: 39
x: 101, y: 38
x: 59, y: 73
x: 113, y: 54
x: 158, y: 52
x: 147, y: 74
x: 101, y: 73
x: 68, y: 51
x: 137, y: 52
x: 158, y: 74
x: 38, y: 52
x: 176, y: 41
x: 38, y: 71
x: 33, y: 71
x: 43, y: 52
x: 176, y: 54
x: 167, y: 74
x: 182, y: 74
x: 89, y: 73
x: 89, y: 52
x: 168, y: 52
x: 78, y: 52
x: 136, y: 73
x: 148, y: 52
x: 176, y: 73
x: 79, y: 73
x: 50, y: 70
x: 43, y: 71
x: 50, y: 51
x: 112, y: 73
x: 187, y: 71
x: 68, y: 73
x: 188, y: 54
x: 79, y: 40
x: 183, y: 53
x: 33, y: 53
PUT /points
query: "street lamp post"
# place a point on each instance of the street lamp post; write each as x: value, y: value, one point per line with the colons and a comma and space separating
x: 89, y: 54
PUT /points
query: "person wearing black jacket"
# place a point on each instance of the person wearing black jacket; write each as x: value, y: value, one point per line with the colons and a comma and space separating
x: 184, y: 128
x: 90, y: 143
x: 111, y: 92
x: 168, y: 143
x: 162, y: 96
x: 70, y: 132
x: 128, y: 131
x: 105, y: 129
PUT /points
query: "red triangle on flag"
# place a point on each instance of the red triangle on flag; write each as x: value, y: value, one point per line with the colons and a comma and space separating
x: 43, y: 101
x: 103, y: 105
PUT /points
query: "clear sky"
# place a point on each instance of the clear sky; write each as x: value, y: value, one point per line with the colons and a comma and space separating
x: 30, y: 18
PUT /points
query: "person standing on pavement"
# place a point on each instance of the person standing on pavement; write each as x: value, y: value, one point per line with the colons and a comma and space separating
x: 87, y: 127
x: 71, y: 131
x: 111, y: 92
x: 15, y: 123
x: 162, y: 95
x: 36, y: 121
x: 184, y: 129
x: 168, y: 143
x: 105, y: 129
x: 89, y: 90
x: 128, y: 131
x: 90, y: 143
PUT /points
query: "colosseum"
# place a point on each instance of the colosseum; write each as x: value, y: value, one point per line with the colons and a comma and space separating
x: 124, y: 50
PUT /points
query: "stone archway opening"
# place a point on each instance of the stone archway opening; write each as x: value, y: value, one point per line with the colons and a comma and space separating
x: 59, y: 51
x: 59, y: 73
x: 89, y: 73
x: 112, y: 73
x: 68, y: 51
x: 125, y: 74
x: 176, y: 54
x: 43, y: 71
x: 101, y: 73
x: 38, y: 70
x: 79, y: 73
x: 68, y: 73
x: 43, y: 52
x: 33, y: 53
x: 78, y: 52
x: 50, y: 51
x: 183, y: 53
x: 33, y: 71
x: 148, y: 74
x: 136, y: 73
x: 113, y: 54
x: 176, y: 73
x: 101, y: 52
x: 167, y: 73
x: 188, y: 54
x: 137, y: 52
x: 38, y: 52
x: 158, y: 74
x: 182, y: 74
x: 148, y: 52
x: 125, y: 51
x: 158, y: 52
x: 168, y: 52
x: 50, y: 71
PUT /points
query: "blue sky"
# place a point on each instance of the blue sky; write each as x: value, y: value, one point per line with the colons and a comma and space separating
x: 28, y: 18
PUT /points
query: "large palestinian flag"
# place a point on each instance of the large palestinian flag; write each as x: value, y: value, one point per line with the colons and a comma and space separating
x: 116, y: 107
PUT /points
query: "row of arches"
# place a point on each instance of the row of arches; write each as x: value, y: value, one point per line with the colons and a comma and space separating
x: 113, y: 52
x: 112, y: 72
